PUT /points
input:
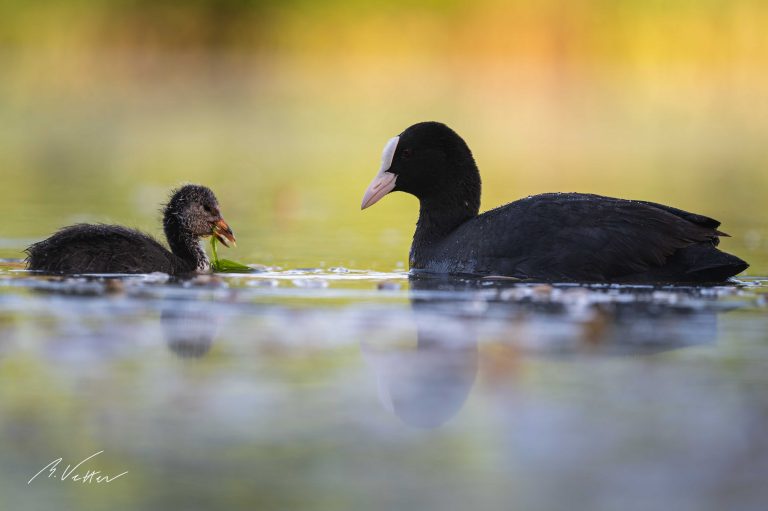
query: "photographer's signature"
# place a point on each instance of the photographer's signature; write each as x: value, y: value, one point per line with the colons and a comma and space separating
x: 87, y: 477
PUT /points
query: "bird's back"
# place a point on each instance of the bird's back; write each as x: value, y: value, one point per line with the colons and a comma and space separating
x: 583, y: 237
x: 97, y: 248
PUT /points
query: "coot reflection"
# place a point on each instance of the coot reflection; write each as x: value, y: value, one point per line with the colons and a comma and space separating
x: 189, y: 330
x: 427, y: 385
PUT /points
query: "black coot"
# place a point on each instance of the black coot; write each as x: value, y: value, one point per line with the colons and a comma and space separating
x: 191, y: 213
x: 552, y: 237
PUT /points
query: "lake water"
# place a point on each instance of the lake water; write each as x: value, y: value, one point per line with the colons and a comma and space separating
x: 348, y: 389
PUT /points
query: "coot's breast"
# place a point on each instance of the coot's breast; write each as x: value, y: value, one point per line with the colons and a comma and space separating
x: 485, y: 245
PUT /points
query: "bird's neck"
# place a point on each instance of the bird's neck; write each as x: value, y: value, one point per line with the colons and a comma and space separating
x: 440, y: 215
x: 185, y: 245
x: 437, y: 220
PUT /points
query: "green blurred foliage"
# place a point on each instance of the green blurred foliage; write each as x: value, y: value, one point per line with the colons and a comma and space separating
x: 282, y: 107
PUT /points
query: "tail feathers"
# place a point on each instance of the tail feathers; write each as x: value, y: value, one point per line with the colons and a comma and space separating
x: 704, y: 263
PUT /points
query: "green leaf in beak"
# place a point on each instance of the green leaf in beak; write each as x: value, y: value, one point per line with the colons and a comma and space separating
x: 225, y: 265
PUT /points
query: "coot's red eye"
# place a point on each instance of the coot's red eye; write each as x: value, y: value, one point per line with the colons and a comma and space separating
x: 407, y: 152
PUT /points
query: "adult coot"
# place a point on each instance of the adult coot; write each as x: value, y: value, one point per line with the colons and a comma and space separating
x: 191, y: 213
x: 552, y: 237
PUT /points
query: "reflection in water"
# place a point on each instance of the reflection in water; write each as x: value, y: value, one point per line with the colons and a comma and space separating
x: 610, y: 319
x: 427, y: 385
x: 188, y: 328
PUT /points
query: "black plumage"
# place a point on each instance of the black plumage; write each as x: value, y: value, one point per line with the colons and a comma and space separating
x: 191, y: 213
x: 551, y: 237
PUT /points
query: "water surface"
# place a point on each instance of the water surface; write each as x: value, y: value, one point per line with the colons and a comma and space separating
x: 350, y: 389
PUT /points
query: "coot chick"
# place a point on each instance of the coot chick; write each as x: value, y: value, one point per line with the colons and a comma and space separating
x: 550, y: 237
x: 191, y: 213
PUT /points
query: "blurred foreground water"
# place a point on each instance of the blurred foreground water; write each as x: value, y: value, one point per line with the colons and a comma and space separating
x: 342, y: 389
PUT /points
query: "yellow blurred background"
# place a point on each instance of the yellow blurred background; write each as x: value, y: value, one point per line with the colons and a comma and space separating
x: 283, y: 109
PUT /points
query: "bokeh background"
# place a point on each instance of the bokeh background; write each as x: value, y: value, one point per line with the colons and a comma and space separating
x: 283, y: 108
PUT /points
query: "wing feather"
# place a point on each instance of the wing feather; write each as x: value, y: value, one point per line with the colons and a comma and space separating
x: 588, y: 237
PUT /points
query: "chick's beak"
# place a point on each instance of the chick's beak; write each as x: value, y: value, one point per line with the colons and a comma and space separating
x: 224, y: 233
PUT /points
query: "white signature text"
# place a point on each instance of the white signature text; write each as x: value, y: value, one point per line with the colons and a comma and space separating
x: 87, y: 477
